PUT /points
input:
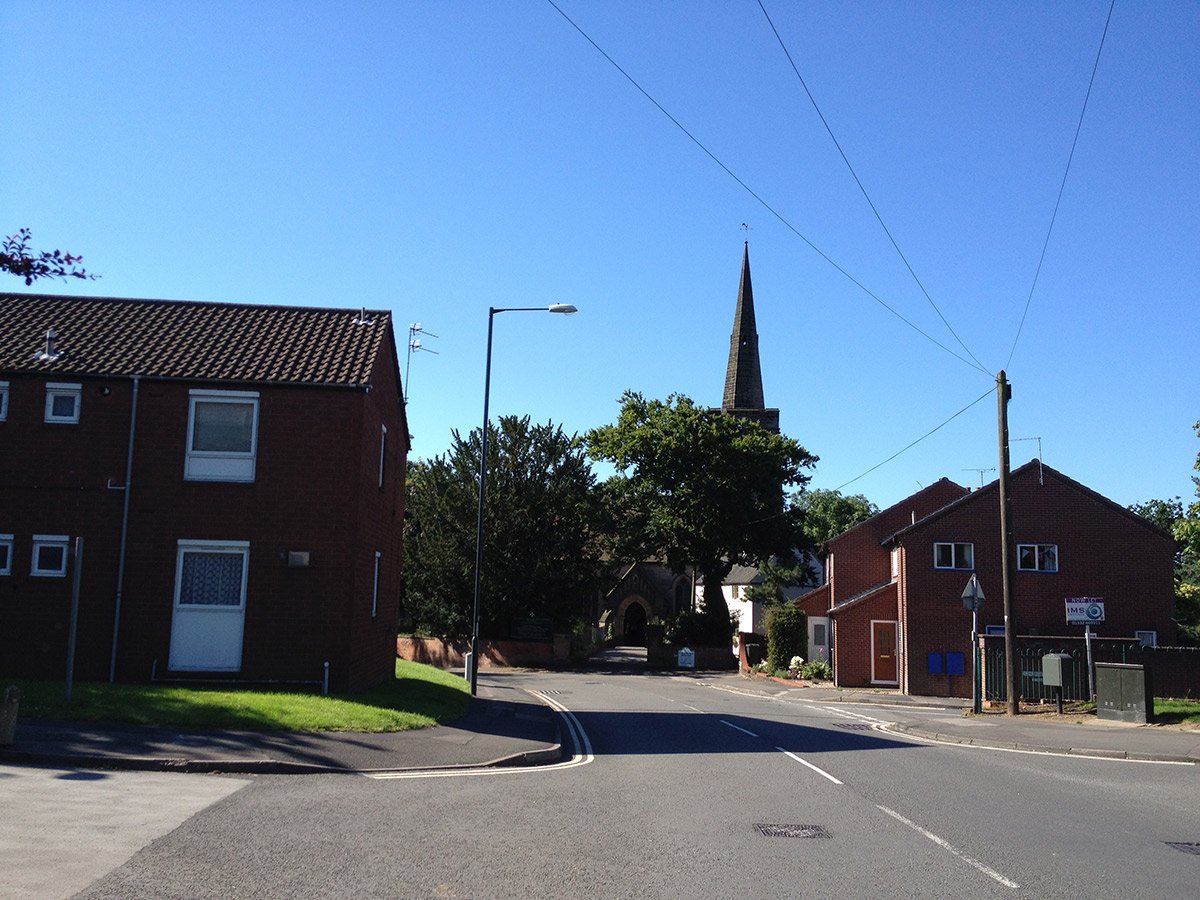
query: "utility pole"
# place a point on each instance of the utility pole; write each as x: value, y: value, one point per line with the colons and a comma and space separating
x: 1007, y: 551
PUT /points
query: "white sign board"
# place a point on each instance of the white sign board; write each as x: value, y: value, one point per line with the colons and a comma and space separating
x: 686, y: 658
x: 1085, y: 610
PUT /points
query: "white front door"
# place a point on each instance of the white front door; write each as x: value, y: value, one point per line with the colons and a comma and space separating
x: 818, y: 638
x: 210, y: 606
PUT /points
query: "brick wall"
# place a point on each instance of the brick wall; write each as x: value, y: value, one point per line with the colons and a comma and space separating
x: 1102, y: 552
x: 308, y: 494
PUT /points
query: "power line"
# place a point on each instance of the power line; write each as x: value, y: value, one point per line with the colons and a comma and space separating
x: 1061, y: 187
x: 863, y: 189
x: 986, y: 393
x: 788, y: 225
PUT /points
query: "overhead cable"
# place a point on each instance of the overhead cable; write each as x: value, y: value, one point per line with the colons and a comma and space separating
x: 1061, y: 187
x: 986, y: 393
x: 863, y: 189
x: 788, y: 225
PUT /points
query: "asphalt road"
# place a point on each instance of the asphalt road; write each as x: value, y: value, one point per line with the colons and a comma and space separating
x: 683, y: 790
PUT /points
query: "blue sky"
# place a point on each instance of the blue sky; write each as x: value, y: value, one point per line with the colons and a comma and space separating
x: 439, y: 158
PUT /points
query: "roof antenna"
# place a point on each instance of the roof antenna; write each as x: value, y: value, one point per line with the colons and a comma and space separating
x: 980, y: 471
x: 1041, y: 471
x: 362, y: 318
x: 414, y: 343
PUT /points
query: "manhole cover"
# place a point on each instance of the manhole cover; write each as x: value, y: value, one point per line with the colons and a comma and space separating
x: 792, y: 831
x: 1185, y: 847
x: 854, y: 726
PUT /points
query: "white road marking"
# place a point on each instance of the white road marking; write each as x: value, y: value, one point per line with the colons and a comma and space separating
x: 738, y: 728
x: 805, y: 762
x: 582, y: 755
x: 692, y: 708
x: 945, y: 845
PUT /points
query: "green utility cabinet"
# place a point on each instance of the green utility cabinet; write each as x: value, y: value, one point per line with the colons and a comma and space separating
x: 1058, y: 670
x: 1124, y: 693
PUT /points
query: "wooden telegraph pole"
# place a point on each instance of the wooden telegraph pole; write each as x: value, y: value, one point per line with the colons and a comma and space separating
x: 1007, y: 551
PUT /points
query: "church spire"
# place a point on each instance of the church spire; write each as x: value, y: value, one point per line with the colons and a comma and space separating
x: 743, y: 376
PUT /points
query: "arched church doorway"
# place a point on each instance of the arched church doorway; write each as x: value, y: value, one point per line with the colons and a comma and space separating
x: 634, y: 631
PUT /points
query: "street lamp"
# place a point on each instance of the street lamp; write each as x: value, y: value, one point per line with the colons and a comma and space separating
x: 566, y: 309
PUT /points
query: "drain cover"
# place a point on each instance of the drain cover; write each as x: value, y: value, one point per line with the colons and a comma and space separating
x: 1185, y: 847
x: 792, y: 831
x: 854, y: 726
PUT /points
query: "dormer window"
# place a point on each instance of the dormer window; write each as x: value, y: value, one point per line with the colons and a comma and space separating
x: 63, y: 402
x: 3, y: 400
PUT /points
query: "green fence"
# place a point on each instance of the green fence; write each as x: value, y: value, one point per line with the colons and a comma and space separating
x: 1029, y: 658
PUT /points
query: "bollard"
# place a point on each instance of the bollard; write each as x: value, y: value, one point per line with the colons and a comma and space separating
x: 8, y: 714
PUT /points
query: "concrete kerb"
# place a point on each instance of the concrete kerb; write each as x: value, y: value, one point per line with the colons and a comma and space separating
x: 1094, y: 753
x: 545, y: 755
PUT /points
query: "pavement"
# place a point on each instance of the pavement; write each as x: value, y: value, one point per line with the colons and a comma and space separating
x: 507, y: 726
x: 949, y: 720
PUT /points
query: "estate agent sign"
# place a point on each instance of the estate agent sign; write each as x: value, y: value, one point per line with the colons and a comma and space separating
x: 1085, y: 610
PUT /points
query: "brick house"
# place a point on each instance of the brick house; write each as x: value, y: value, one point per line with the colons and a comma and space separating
x: 893, y: 592
x: 236, y: 473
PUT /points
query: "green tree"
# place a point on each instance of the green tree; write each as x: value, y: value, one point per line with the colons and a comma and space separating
x: 787, y: 636
x: 542, y: 545
x: 698, y: 487
x: 17, y: 259
x: 1170, y: 516
x: 827, y: 513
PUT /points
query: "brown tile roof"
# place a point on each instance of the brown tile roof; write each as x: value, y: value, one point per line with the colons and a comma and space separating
x: 193, y: 340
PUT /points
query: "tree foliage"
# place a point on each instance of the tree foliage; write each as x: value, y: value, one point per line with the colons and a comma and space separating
x: 787, y: 635
x: 17, y: 259
x: 543, y: 521
x: 827, y: 513
x: 697, y: 487
x: 1184, y: 523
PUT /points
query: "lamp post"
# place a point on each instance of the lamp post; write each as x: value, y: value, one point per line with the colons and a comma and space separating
x: 564, y: 308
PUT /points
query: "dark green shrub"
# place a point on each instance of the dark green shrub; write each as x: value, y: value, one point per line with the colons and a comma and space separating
x: 787, y: 636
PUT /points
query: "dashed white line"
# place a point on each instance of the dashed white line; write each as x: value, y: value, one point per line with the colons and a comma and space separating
x: 946, y: 845
x: 805, y: 762
x: 738, y: 728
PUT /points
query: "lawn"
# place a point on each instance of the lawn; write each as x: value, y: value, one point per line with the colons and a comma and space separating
x: 1171, y: 712
x: 419, y: 696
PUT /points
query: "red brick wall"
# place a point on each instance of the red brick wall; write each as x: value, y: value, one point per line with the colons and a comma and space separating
x: 308, y: 494
x: 852, y: 637
x: 855, y: 559
x: 1103, y: 552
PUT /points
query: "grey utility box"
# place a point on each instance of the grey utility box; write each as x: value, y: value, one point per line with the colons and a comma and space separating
x: 1058, y: 670
x: 1124, y: 693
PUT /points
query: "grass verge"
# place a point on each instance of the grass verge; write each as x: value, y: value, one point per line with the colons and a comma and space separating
x: 420, y: 696
x: 1176, y: 712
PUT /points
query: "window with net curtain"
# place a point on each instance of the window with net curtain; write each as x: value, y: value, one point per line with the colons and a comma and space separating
x: 210, y: 578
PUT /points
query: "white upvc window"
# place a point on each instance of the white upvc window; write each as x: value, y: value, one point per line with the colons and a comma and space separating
x: 222, y: 436
x: 375, y: 587
x: 3, y: 400
x: 1037, y: 557
x: 382, y: 452
x: 1147, y: 638
x: 895, y: 563
x: 6, y: 552
x: 49, y: 555
x: 63, y: 402
x: 954, y: 556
